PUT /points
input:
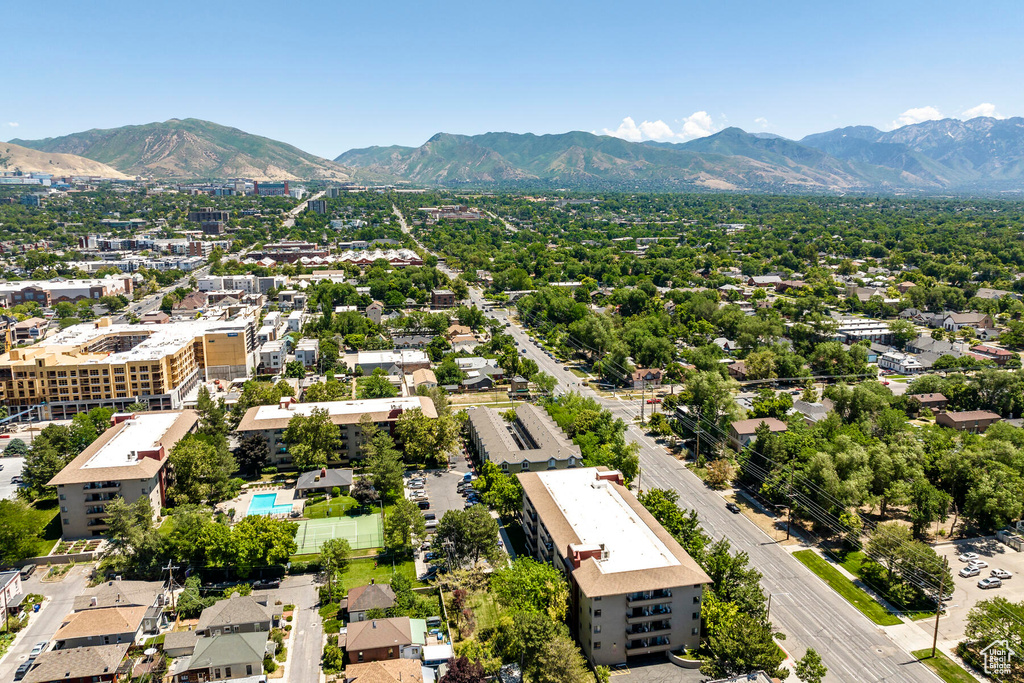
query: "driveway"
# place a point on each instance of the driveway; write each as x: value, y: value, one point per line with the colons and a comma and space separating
x: 12, y: 467
x: 43, y: 625
x: 306, y: 648
x: 656, y: 669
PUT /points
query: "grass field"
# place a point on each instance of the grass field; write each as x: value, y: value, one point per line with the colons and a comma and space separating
x: 854, y: 561
x: 944, y: 667
x: 335, y: 507
x: 364, y: 531
x: 360, y: 572
x: 45, y: 515
x: 842, y: 585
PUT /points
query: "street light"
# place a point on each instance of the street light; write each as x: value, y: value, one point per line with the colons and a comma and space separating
x: 768, y: 613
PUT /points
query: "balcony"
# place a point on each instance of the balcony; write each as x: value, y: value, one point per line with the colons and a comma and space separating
x: 645, y: 598
x: 98, y: 524
x: 648, y: 646
x: 96, y: 510
x: 97, y: 485
x: 647, y: 614
x: 650, y: 630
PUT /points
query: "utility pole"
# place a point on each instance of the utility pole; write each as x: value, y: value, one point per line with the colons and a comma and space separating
x: 643, y: 393
x: 698, y: 437
x: 170, y: 586
x: 938, y: 603
x: 789, y: 509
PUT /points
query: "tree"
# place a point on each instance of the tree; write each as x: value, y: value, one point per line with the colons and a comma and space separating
x: 16, y: 448
x: 130, y: 527
x: 18, y: 531
x: 260, y: 541
x: 663, y: 504
x: 545, y: 382
x: 560, y: 661
x: 462, y: 670
x: 43, y: 462
x: 425, y: 439
x: 200, y: 470
x: 810, y: 668
x: 472, y: 535
x: 377, y: 385
x: 504, y: 493
x: 252, y: 453
x: 334, y: 560
x: 211, y: 414
x: 331, y: 390
x: 719, y: 474
x: 295, y: 369
x: 312, y: 439
x: 364, y: 492
x: 747, y: 646
x: 902, y: 331
x: 190, y: 602
x: 384, y: 465
x: 532, y: 586
x: 402, y: 525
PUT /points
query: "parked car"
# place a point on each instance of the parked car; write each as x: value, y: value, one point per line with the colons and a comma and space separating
x: 1002, y: 574
x: 968, y: 557
x: 39, y: 648
x: 22, y: 670
x: 267, y: 584
x: 990, y: 582
x: 654, y: 400
x: 980, y: 564
x: 27, y: 571
x: 969, y: 571
x: 430, y: 556
x: 429, y: 516
x: 423, y: 504
x: 415, y: 485
x: 1, y: 464
x: 733, y: 508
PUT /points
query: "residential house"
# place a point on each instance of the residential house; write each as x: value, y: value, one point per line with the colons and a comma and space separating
x: 90, y: 664
x: 387, y: 671
x: 763, y: 281
x: 738, y: 371
x: 393, y: 362
x: 976, y: 321
x: 477, y: 382
x: 120, y: 593
x: 904, y: 287
x: 900, y: 363
x: 11, y: 596
x: 974, y: 421
x: 784, y: 285
x: 643, y: 378
x: 519, y: 385
x: 812, y: 412
x: 103, y: 626
x: 361, y: 599
x: 634, y: 589
x: 464, y: 343
x: 726, y: 345
x: 412, y: 341
x: 994, y: 353
x: 991, y: 294
x: 375, y: 640
x: 307, y: 352
x: 224, y: 657
x: 238, y: 614
x: 484, y: 366
x: 180, y: 643
x: 424, y: 378
x: 531, y: 442
x: 323, y: 480
x: 457, y: 330
x: 743, y: 432
x: 374, y: 311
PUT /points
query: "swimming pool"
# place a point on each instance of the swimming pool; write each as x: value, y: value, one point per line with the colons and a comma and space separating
x: 265, y: 504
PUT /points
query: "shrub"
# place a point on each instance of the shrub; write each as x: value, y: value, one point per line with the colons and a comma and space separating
x: 269, y: 665
x: 299, y: 568
x: 335, y: 491
x: 719, y: 474
x: 271, y: 469
x: 282, y: 654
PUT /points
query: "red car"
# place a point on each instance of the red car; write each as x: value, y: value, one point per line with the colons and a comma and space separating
x: 654, y: 400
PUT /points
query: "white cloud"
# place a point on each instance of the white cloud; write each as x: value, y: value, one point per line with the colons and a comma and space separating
x: 916, y: 115
x: 983, y: 109
x: 12, y: 124
x: 762, y: 122
x: 697, y: 125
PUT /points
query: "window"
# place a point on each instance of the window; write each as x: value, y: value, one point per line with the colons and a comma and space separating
x: 525, y: 466
x: 694, y: 631
x: 597, y: 644
x: 597, y: 628
x: 597, y: 598
x: 145, y: 490
x: 696, y: 615
x: 62, y: 496
x: 63, y: 508
x: 248, y: 669
x: 227, y: 672
x: 66, y: 521
x: 696, y: 599
x: 216, y: 673
x: 597, y: 613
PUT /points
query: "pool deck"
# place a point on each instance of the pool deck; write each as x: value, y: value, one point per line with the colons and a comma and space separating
x: 241, y: 503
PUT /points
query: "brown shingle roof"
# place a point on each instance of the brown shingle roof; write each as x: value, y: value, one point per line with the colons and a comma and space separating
x: 372, y: 596
x: 101, y: 622
x: 750, y: 426
x: 375, y: 633
x: 387, y: 671
x: 76, y: 662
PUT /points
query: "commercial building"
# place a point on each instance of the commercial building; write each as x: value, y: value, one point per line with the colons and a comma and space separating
x: 530, y: 443
x: 633, y: 590
x: 442, y: 298
x: 393, y: 362
x: 974, y: 421
x: 209, y: 215
x: 128, y: 461
x: 317, y: 205
x: 901, y: 363
x: 271, y: 421
x: 270, y: 189
x: 853, y: 330
x: 100, y: 364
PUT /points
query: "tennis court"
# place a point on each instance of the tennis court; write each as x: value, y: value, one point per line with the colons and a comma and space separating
x: 362, y: 532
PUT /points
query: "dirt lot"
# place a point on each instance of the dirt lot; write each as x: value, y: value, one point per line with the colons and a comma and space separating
x: 966, y: 591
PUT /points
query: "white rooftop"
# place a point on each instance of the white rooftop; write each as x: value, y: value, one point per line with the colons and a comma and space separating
x: 369, y: 405
x: 599, y: 515
x: 141, y: 434
x: 393, y: 356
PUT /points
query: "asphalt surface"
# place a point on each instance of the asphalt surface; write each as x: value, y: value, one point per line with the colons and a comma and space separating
x: 11, y: 467
x: 306, y: 646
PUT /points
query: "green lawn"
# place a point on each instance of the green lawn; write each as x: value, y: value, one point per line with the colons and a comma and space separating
x: 335, y: 507
x: 47, y: 519
x: 854, y: 560
x: 944, y: 667
x: 360, y: 572
x: 842, y: 585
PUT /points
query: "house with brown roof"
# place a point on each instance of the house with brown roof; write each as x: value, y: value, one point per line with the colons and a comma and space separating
x: 974, y: 421
x: 738, y: 371
x: 104, y: 626
x: 645, y: 378
x: 743, y: 432
x: 380, y: 639
x: 638, y: 591
x: 92, y: 664
x: 976, y: 321
x: 932, y: 401
x: 119, y: 593
x: 30, y: 329
x: 364, y: 598
x: 994, y: 353
x: 387, y: 671
x: 191, y: 302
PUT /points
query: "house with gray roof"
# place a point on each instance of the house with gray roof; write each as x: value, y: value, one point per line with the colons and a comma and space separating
x: 224, y: 657
x: 323, y: 480
x: 238, y: 614
x: 364, y: 598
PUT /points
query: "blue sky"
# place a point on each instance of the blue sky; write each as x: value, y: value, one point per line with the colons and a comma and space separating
x: 329, y: 76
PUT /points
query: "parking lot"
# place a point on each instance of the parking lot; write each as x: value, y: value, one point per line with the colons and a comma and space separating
x: 966, y: 592
x: 11, y: 468
x: 441, y: 487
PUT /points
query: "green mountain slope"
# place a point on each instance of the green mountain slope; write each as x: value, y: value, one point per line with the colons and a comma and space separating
x: 191, y: 148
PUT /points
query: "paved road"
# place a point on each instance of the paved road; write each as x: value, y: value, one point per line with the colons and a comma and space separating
x: 306, y: 648
x: 43, y: 625
x: 289, y: 222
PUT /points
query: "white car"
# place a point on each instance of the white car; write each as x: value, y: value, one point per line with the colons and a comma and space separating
x: 968, y: 557
x: 1002, y: 574
x: 990, y: 583
x: 980, y: 564
x: 969, y: 571
x: 38, y: 649
x: 415, y: 485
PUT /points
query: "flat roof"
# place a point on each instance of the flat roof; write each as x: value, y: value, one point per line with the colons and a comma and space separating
x: 141, y: 433
x: 340, y: 412
x: 600, y: 516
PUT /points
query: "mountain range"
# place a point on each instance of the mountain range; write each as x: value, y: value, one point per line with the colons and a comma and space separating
x: 981, y: 155
x: 191, y: 148
x: 17, y: 158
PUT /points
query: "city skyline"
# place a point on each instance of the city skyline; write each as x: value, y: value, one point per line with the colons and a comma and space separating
x: 328, y: 79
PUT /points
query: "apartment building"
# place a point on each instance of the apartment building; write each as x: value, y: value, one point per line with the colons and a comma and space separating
x: 127, y: 461
x: 211, y: 283
x: 100, y: 364
x: 271, y: 421
x: 49, y: 292
x: 633, y: 590
x: 530, y: 443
